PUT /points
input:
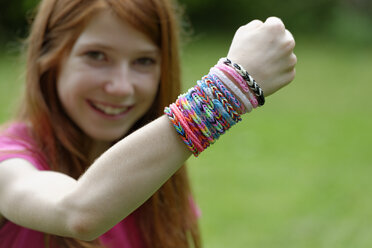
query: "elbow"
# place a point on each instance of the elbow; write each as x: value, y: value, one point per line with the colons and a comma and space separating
x: 84, y: 227
x: 81, y: 220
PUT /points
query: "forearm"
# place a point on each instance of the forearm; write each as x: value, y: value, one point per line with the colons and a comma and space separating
x: 125, y: 176
x: 132, y: 170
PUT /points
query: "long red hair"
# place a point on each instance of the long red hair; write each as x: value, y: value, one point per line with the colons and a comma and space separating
x: 167, y: 218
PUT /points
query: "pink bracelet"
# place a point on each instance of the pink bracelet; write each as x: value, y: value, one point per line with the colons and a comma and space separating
x: 235, y: 75
x: 247, y: 106
x: 240, y: 80
x: 186, y: 127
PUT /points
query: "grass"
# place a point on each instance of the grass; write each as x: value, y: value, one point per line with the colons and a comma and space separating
x: 11, y: 81
x: 296, y: 172
x: 293, y: 174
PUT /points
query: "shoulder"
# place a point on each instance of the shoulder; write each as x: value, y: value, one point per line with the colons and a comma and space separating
x: 13, y: 134
x: 10, y: 171
x: 16, y: 141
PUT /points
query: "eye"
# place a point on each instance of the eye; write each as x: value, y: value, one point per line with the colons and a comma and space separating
x: 96, y: 55
x: 145, y: 61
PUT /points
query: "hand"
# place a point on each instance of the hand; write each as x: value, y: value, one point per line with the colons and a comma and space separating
x: 265, y: 50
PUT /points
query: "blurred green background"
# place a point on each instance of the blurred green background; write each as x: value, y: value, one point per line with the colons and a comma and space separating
x: 296, y: 172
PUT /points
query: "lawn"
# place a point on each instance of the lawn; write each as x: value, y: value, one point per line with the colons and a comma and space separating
x: 296, y: 172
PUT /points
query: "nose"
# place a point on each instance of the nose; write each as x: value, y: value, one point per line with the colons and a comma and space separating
x: 119, y: 82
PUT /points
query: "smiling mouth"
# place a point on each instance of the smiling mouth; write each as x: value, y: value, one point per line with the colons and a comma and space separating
x: 109, y: 110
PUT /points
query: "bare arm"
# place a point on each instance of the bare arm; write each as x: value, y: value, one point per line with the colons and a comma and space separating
x: 133, y: 169
x: 116, y: 184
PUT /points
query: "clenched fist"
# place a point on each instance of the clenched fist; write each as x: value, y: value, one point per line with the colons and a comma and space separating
x: 265, y: 50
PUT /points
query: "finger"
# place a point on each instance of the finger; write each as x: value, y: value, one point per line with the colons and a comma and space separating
x: 289, y: 43
x: 275, y: 24
x: 292, y: 60
x: 254, y: 24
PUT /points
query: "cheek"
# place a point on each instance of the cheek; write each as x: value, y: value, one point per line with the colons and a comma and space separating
x: 149, y: 87
x: 75, y: 84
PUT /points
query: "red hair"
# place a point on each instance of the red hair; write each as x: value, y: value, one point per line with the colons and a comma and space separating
x: 166, y: 219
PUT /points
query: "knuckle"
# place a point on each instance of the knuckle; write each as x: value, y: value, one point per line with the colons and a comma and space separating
x: 289, y: 44
x: 240, y: 30
x: 255, y: 22
x: 292, y: 75
x: 251, y: 25
x: 293, y: 60
x: 275, y: 23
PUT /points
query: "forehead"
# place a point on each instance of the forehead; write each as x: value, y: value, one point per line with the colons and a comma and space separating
x: 105, y: 28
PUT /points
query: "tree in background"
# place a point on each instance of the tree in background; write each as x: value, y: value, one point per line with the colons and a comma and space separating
x: 13, y: 18
x: 340, y: 18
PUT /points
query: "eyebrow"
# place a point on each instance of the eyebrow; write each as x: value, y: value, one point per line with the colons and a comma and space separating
x: 95, y: 44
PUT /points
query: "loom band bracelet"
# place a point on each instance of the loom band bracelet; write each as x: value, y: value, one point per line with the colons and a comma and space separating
x: 234, y: 89
x: 203, y: 85
x: 195, y: 117
x: 234, y: 74
x: 198, y: 92
x: 246, y: 85
x: 204, y: 126
x: 209, y: 129
x: 245, y: 75
x: 180, y: 131
x: 205, y: 88
x: 230, y: 97
x: 243, y: 84
x: 252, y: 84
x: 249, y: 102
x: 230, y: 121
x: 189, y: 113
x: 251, y: 98
x: 217, y: 114
x: 207, y: 117
x: 204, y: 104
x: 211, y: 132
x: 248, y: 78
x: 193, y: 126
x: 256, y: 100
x: 231, y: 111
x: 212, y: 116
x: 225, y: 103
x: 185, y: 127
x: 183, y: 135
x: 235, y: 115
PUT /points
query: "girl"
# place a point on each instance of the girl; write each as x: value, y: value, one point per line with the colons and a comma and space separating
x: 92, y: 160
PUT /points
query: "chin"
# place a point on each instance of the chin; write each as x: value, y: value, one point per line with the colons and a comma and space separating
x: 108, y: 135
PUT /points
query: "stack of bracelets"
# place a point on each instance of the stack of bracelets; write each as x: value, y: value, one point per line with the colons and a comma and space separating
x: 215, y: 104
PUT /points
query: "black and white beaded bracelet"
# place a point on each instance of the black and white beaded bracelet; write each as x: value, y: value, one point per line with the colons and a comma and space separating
x: 256, y: 89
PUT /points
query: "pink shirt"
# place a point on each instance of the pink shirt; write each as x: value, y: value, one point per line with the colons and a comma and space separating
x: 125, y: 234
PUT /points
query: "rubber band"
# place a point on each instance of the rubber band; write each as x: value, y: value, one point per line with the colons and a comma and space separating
x: 192, y: 137
x: 243, y: 98
x: 212, y: 106
x: 181, y: 131
x: 248, y: 78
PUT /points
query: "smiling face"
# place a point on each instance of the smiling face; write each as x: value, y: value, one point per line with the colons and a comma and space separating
x: 110, y: 78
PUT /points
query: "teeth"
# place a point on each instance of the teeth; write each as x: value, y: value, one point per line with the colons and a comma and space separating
x: 110, y: 110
